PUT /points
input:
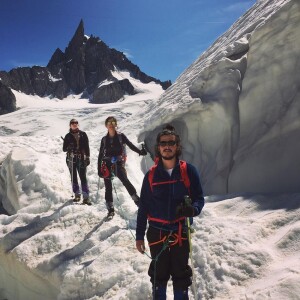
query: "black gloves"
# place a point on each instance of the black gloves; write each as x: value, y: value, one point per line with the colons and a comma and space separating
x: 185, y: 210
x: 143, y: 152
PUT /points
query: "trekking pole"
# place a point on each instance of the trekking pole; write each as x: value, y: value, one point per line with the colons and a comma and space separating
x: 188, y: 201
x: 72, y: 170
x: 145, y: 159
x: 98, y: 187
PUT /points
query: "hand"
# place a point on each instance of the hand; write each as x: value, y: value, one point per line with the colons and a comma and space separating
x: 143, y: 152
x: 140, y: 246
x: 185, y: 210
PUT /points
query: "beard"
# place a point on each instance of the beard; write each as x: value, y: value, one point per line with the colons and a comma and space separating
x: 168, y: 157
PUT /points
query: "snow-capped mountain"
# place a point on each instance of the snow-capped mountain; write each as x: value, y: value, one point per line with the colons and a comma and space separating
x: 245, y: 245
x: 87, y: 66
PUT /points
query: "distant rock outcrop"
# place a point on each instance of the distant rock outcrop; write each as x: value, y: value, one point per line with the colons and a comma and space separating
x: 86, y: 63
x: 7, y: 100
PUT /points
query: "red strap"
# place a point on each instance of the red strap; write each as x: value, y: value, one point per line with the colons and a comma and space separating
x: 165, y: 182
x: 151, y: 174
x: 165, y: 221
x: 183, y: 173
x: 176, y: 238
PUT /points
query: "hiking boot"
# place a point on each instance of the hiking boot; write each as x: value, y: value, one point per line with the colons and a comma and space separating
x: 181, y: 294
x: 111, y: 212
x: 136, y: 199
x: 87, y: 201
x: 77, y: 198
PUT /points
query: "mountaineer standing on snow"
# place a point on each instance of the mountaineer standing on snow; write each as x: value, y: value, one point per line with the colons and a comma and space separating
x: 111, y: 162
x: 76, y: 144
x: 171, y: 195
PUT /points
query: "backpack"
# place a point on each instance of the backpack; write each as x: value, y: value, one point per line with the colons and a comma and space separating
x: 183, y: 173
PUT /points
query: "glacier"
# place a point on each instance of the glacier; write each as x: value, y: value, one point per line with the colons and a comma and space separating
x: 237, y: 106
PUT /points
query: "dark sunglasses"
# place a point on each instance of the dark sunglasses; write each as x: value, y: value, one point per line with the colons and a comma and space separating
x: 167, y: 143
x: 111, y: 123
x: 74, y: 122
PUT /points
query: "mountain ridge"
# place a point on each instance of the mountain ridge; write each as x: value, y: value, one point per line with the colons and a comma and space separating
x: 86, y: 62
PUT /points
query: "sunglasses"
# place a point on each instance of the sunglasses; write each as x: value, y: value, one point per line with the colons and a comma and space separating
x: 74, y: 122
x: 111, y: 123
x: 167, y: 143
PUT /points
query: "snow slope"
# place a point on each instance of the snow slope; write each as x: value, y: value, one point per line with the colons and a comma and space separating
x: 245, y: 246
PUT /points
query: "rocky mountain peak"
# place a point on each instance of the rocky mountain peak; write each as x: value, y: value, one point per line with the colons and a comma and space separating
x: 85, y: 64
x: 76, y: 42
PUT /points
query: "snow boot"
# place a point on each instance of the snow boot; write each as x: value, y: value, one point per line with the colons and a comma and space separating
x: 160, y: 293
x: 181, y: 294
x: 111, y: 213
x: 136, y: 199
x: 77, y: 198
x: 87, y: 201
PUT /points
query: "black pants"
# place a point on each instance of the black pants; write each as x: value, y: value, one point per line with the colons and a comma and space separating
x: 80, y: 168
x: 119, y: 171
x: 173, y: 261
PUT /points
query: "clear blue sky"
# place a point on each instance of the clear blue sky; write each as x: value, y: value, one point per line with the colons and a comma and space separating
x: 162, y: 37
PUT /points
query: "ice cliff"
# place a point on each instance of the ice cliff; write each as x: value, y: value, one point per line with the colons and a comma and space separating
x: 237, y: 106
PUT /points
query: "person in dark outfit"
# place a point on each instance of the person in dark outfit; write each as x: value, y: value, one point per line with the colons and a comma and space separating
x: 113, y: 154
x: 76, y: 144
x: 163, y: 205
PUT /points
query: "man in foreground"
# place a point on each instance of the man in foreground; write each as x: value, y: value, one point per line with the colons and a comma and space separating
x: 171, y: 193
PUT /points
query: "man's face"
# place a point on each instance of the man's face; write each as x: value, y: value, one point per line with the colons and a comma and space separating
x: 167, y: 146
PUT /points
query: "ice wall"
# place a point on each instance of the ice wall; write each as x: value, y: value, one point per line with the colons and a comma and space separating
x: 237, y: 107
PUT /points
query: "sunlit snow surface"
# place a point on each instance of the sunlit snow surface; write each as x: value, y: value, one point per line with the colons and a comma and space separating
x: 243, y: 246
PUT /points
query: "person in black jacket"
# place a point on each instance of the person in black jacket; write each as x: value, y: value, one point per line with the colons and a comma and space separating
x: 76, y: 144
x: 111, y: 161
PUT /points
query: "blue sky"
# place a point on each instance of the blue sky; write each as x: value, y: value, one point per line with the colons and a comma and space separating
x: 162, y: 37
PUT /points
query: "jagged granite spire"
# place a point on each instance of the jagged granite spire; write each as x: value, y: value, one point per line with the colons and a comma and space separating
x: 76, y: 42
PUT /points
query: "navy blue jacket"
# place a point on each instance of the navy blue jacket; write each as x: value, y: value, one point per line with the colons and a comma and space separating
x: 161, y: 202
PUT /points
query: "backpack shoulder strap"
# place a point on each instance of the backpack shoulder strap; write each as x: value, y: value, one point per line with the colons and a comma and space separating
x: 119, y: 134
x: 151, y: 172
x: 184, y: 174
x: 123, y: 145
